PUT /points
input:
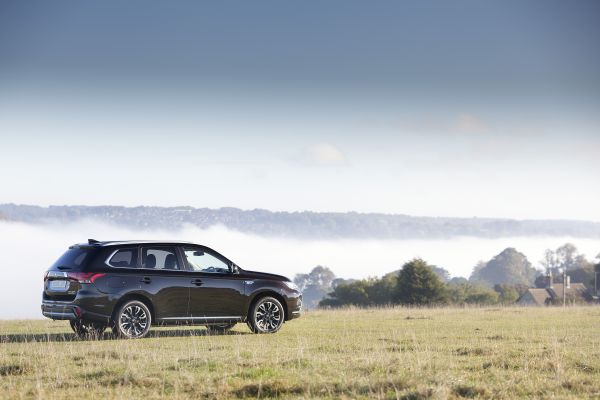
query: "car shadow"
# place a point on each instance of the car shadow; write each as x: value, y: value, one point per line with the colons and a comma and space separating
x: 70, y: 337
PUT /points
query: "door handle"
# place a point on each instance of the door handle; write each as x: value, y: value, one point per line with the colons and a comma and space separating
x: 146, y: 279
x: 197, y: 282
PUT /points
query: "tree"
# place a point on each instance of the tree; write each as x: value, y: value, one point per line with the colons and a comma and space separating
x: 365, y: 292
x: 457, y: 280
x: 442, y: 273
x: 551, y: 266
x: 475, y: 275
x: 510, y: 266
x: 417, y: 284
x: 549, y: 262
x: 566, y: 256
x: 508, y: 294
x: 382, y: 290
x: 315, y: 285
x: 353, y: 293
x: 482, y: 296
x: 582, y: 271
x: 462, y: 292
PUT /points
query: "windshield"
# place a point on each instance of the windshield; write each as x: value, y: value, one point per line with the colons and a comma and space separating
x: 73, y: 259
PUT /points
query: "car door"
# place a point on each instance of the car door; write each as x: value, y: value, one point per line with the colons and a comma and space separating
x: 215, y: 292
x: 164, y: 278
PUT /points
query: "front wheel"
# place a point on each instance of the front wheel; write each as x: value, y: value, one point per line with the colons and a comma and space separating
x: 132, y: 320
x: 266, y: 315
x: 87, y: 329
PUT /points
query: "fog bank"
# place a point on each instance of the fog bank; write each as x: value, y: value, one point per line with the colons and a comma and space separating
x: 28, y: 250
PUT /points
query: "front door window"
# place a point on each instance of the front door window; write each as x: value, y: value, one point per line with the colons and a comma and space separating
x: 201, y: 261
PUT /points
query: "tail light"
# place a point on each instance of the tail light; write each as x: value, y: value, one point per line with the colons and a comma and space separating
x: 84, y: 277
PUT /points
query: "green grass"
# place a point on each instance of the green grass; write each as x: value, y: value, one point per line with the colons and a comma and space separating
x: 495, y: 353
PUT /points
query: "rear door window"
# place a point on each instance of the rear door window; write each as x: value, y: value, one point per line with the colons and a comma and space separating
x: 160, y: 257
x: 124, y: 258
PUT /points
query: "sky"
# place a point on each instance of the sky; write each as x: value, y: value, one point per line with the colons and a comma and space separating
x: 437, y: 108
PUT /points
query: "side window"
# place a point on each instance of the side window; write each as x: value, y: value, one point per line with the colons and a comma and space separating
x: 124, y: 258
x: 202, y: 261
x: 160, y: 258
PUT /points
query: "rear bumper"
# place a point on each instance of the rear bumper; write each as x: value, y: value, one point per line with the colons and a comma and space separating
x: 58, y: 310
x: 63, y: 310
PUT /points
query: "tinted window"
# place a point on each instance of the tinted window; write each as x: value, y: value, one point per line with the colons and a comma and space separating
x: 73, y: 259
x: 160, y: 258
x: 202, y: 261
x: 124, y: 258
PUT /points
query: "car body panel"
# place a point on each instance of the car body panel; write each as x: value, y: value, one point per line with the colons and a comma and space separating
x: 217, y: 295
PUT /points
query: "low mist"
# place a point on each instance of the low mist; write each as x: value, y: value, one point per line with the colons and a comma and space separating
x: 28, y: 250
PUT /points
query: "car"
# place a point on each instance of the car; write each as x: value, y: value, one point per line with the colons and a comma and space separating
x: 133, y: 285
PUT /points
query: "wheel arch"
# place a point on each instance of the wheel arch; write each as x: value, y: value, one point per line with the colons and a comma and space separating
x: 138, y: 297
x: 268, y: 293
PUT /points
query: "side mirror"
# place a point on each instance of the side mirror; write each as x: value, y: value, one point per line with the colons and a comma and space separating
x: 198, y: 253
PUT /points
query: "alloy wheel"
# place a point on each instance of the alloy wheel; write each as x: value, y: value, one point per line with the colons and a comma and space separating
x: 133, y: 320
x: 268, y: 316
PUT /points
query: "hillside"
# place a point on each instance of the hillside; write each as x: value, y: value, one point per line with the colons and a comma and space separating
x: 305, y: 224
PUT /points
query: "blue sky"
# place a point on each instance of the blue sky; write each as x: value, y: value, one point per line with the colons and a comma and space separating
x: 428, y: 108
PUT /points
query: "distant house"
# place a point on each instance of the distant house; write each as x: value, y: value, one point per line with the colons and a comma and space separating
x: 553, y: 295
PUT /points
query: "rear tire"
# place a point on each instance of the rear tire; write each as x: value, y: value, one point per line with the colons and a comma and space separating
x: 219, y: 328
x: 87, y: 329
x: 132, y: 320
x: 266, y: 315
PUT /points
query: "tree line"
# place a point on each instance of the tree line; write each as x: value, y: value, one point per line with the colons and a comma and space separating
x: 304, y: 224
x: 501, y: 280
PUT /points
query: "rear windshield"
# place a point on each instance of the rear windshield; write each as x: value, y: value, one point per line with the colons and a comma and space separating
x: 74, y: 259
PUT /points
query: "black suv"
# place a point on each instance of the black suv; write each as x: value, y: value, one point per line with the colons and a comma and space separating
x: 132, y: 285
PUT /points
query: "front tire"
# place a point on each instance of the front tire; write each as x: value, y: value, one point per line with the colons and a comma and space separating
x: 87, y: 329
x: 266, y: 315
x: 132, y: 320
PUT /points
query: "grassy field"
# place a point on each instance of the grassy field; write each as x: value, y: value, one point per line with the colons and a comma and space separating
x: 388, y: 353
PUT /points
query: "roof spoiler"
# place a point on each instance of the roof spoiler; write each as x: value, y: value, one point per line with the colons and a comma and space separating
x: 93, y: 241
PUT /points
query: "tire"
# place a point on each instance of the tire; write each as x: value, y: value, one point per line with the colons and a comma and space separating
x: 266, y: 315
x: 219, y: 328
x: 132, y: 320
x: 87, y: 329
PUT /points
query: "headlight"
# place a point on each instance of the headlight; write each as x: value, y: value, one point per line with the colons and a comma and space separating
x: 291, y: 285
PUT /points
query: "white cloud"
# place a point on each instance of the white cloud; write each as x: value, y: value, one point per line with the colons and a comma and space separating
x: 326, y: 154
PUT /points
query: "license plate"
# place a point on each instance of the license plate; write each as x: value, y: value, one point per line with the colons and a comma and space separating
x: 58, y: 285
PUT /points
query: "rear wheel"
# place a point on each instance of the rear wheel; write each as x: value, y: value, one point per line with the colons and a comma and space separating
x: 132, y: 320
x: 266, y: 315
x: 219, y: 328
x: 87, y: 329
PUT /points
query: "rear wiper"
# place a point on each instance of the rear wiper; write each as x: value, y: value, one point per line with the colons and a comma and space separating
x: 62, y: 267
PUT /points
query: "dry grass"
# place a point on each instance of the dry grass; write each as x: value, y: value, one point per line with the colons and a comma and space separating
x: 393, y: 353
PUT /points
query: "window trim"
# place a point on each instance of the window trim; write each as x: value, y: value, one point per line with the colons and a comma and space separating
x: 136, y: 249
